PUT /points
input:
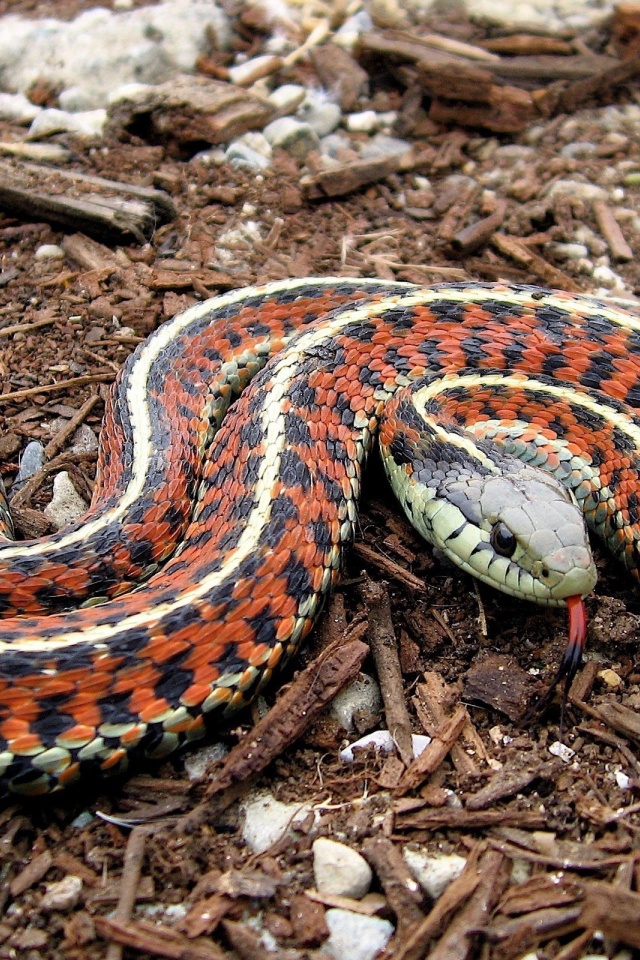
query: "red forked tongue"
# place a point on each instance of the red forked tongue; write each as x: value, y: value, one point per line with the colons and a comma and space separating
x: 576, y: 642
x: 571, y: 659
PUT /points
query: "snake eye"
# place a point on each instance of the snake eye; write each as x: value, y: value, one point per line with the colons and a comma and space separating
x: 502, y: 540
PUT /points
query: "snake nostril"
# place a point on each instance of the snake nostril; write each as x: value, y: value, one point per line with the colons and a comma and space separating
x: 544, y: 573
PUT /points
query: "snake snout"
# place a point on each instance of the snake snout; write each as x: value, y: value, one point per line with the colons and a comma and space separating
x: 569, y: 571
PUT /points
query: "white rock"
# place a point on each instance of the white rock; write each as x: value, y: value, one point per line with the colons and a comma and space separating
x: 383, y: 741
x: 293, y: 136
x: 84, y: 440
x: 582, y: 148
x: 364, y: 122
x: 623, y: 781
x: 266, y: 820
x: 288, y: 97
x: 561, y: 750
x: 89, y: 123
x: 355, y: 937
x: 62, y: 894
x: 606, y: 276
x: 382, y: 145
x: 323, y: 117
x: 101, y: 49
x: 348, y: 34
x: 239, y: 154
x: 49, y: 251
x: 567, y: 251
x: 334, y: 144
x: 576, y: 188
x: 433, y: 873
x: 66, y: 505
x: 339, y: 870
x: 197, y: 763
x: 363, y: 694
x: 16, y: 107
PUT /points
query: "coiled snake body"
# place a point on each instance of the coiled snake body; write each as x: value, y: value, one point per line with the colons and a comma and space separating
x: 236, y: 520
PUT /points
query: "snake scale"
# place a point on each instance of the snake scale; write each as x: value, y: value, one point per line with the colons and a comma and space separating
x: 228, y: 476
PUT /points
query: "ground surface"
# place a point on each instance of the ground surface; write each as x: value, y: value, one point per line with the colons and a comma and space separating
x: 453, y: 636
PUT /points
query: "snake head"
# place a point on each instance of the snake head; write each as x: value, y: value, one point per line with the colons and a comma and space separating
x: 520, y: 531
x: 510, y: 524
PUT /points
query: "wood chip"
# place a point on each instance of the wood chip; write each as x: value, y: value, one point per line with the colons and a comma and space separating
x: 384, y: 648
x: 188, y: 110
x: 33, y: 873
x: 348, y: 177
x: 417, y: 944
x: 156, y: 939
x: 508, y: 781
x: 307, y: 918
x: 521, y: 253
x: 610, y: 230
x: 614, y: 911
x: 457, y: 941
x: 340, y: 73
x: 433, y: 755
x: 108, y: 209
x: 403, y: 893
x: 469, y: 819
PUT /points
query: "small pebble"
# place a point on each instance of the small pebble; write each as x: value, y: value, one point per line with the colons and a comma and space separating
x: 623, y: 781
x: 84, y: 440
x: 611, y: 678
x: 293, y: 136
x: 243, y: 157
x: 63, y: 894
x: 31, y: 461
x: 606, y: 276
x: 66, y: 505
x: 363, y: 694
x: 567, y: 251
x: 266, y: 819
x: 288, y: 97
x: 576, y: 188
x: 354, y: 936
x: 322, y: 116
x: 433, y: 873
x: 561, y: 750
x: 17, y: 107
x: 339, y: 870
x: 382, y: 741
x: 382, y: 145
x: 364, y: 122
x: 198, y: 762
x: 49, y: 251
x: 88, y: 123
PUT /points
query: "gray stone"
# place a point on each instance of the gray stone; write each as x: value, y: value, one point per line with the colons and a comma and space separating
x: 31, y: 461
x: 339, y: 870
x: 433, y: 873
x: 266, y: 820
x: 355, y: 937
x: 363, y: 694
x: 293, y: 136
x: 89, y: 123
x: 62, y: 894
x: 49, y: 251
x: 16, y: 107
x: 66, y: 505
x: 100, y: 49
